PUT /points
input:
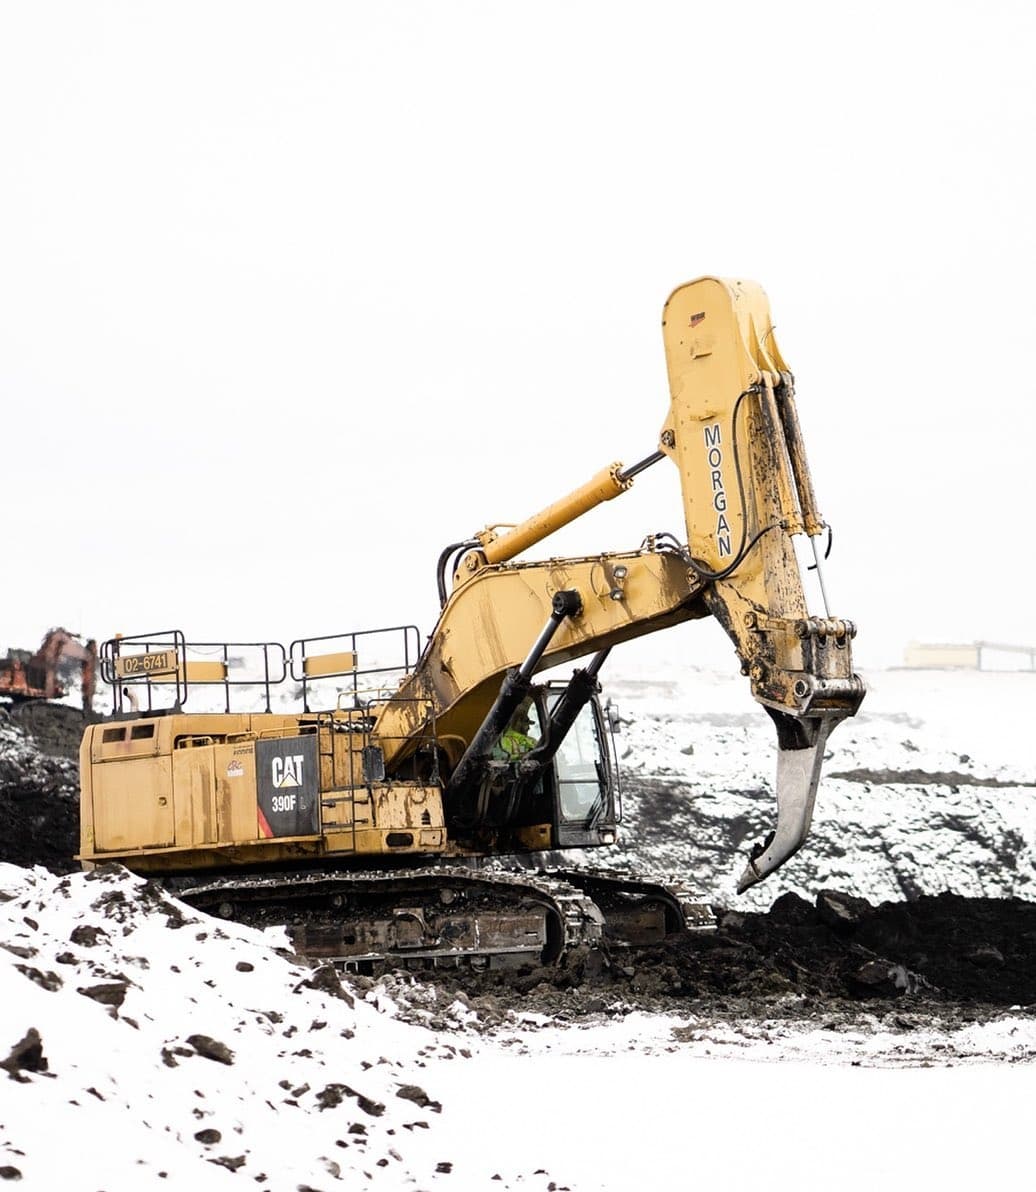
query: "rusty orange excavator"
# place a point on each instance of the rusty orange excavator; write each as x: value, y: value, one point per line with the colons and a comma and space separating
x: 26, y: 676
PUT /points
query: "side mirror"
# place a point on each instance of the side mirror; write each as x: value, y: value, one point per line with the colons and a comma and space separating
x: 611, y: 712
x: 373, y: 760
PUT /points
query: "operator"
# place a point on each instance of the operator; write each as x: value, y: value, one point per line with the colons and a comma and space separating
x: 515, y: 740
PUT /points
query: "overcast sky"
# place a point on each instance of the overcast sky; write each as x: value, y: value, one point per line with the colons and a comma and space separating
x: 292, y: 295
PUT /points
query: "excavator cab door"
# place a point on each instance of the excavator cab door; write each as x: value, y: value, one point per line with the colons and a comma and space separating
x: 584, y: 779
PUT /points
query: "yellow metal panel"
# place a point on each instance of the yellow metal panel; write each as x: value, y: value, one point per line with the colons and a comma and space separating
x: 137, y: 738
x: 193, y: 796
x: 399, y: 807
x: 236, y: 817
x: 328, y: 664
x: 372, y: 841
x: 86, y: 799
x: 206, y: 672
x: 192, y: 672
x: 342, y: 766
x: 133, y: 804
x: 501, y: 612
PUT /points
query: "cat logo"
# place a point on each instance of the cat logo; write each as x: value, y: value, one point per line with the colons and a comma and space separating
x: 287, y: 771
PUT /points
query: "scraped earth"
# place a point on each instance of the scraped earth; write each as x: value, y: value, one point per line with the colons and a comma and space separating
x: 822, y: 952
x: 940, y: 961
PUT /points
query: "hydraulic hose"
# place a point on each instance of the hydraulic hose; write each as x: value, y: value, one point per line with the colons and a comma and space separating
x: 440, y: 570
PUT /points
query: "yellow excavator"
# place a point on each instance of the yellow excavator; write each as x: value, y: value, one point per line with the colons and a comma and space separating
x: 392, y: 822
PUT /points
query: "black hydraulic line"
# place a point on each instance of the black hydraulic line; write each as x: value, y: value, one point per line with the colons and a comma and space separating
x: 565, y: 604
x: 827, y: 551
x: 743, y: 549
x: 642, y: 466
x: 515, y: 687
x: 440, y: 569
x: 574, y: 699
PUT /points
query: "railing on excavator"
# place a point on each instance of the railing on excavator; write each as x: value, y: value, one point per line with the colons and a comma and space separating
x: 154, y: 672
x: 335, y: 662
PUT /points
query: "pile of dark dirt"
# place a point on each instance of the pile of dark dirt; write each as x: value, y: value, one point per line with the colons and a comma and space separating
x: 56, y: 729
x: 39, y: 786
x: 933, y: 953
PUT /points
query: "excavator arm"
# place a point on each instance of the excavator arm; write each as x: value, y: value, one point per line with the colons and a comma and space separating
x: 732, y: 431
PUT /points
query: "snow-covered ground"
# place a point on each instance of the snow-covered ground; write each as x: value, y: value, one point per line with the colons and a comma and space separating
x: 148, y: 1046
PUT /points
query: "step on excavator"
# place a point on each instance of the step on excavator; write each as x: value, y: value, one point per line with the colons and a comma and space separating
x: 400, y: 814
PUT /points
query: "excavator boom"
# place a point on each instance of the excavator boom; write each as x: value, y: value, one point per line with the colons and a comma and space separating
x: 732, y: 430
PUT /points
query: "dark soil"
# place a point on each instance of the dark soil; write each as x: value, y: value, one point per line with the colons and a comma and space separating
x: 940, y: 954
x: 950, y: 778
x: 56, y: 729
x: 39, y: 787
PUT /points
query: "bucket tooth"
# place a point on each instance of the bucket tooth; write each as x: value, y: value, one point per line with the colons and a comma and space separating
x: 798, y: 773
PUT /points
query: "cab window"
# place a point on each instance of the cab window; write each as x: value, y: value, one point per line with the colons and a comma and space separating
x: 579, y: 770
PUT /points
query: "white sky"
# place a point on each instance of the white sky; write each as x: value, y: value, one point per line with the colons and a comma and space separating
x: 291, y: 296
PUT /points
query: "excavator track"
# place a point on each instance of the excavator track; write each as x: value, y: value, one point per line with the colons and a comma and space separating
x: 364, y: 922
x: 638, y: 911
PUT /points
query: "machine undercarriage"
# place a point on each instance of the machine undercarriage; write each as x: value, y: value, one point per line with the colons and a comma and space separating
x: 451, y: 916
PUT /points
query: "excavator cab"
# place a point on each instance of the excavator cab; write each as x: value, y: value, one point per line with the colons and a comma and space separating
x: 549, y: 780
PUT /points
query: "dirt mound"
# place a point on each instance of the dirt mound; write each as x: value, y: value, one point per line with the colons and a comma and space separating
x: 56, y: 729
x: 941, y: 948
x: 935, y: 953
x: 39, y: 793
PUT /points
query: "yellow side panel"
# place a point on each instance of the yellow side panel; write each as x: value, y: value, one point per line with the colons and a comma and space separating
x: 133, y: 804
x: 339, y: 842
x: 400, y: 807
x: 236, y: 816
x: 193, y: 794
x: 424, y: 840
